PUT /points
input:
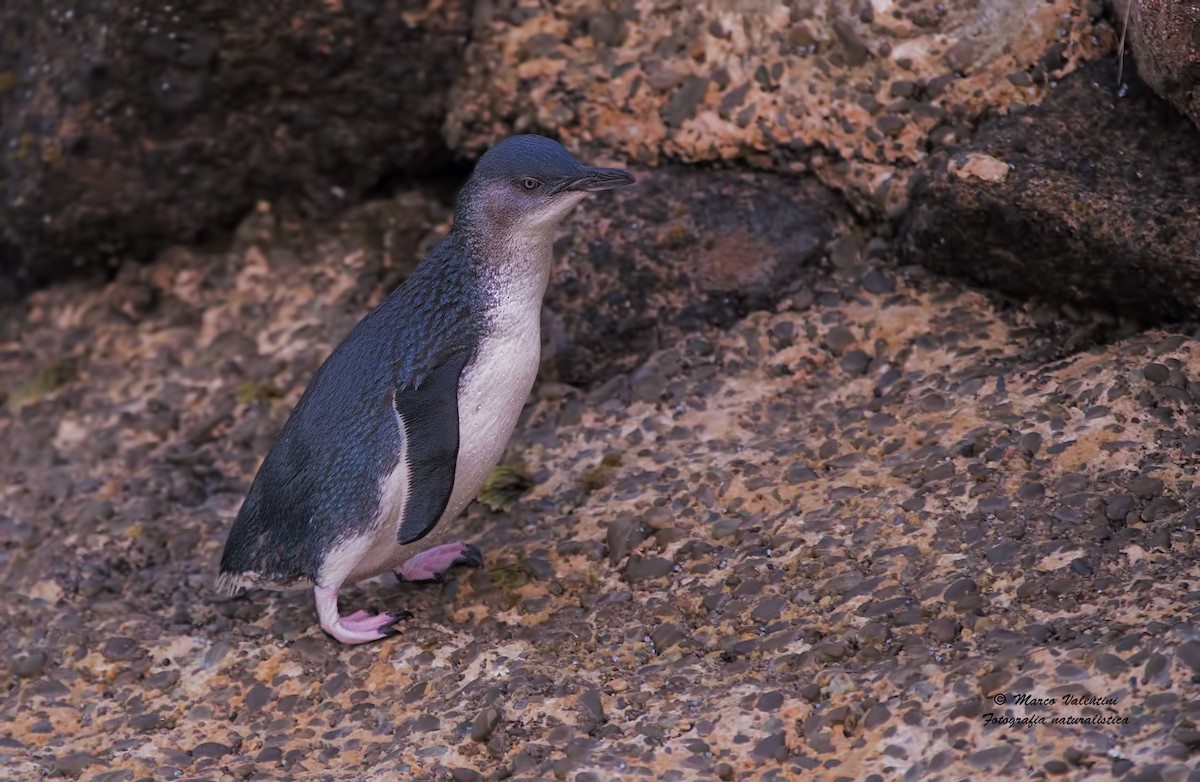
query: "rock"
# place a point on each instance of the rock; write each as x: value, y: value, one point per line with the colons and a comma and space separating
x: 129, y: 126
x: 634, y: 276
x: 642, y: 568
x: 1109, y: 189
x: 1165, y: 38
x: 724, y: 83
x: 485, y: 724
x: 30, y: 665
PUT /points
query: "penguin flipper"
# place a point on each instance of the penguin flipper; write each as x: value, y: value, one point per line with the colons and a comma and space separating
x: 429, y: 413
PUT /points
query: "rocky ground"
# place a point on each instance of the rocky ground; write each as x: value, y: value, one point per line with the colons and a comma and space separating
x: 846, y: 537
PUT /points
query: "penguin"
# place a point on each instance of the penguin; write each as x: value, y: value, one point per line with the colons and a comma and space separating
x: 401, y: 425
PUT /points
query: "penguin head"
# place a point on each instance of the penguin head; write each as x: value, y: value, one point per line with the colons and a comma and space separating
x: 527, y: 184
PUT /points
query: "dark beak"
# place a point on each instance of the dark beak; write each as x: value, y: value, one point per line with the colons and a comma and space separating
x: 593, y: 180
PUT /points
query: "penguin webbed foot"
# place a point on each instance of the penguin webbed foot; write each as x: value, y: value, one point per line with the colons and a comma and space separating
x: 431, y: 566
x: 360, y: 627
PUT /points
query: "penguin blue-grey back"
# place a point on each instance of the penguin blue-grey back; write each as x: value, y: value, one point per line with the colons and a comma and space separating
x: 402, y: 423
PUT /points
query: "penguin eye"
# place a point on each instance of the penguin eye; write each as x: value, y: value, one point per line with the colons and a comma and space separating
x: 529, y: 183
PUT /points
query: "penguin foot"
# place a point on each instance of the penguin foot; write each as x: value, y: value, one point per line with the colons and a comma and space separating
x: 432, y: 565
x: 357, y: 628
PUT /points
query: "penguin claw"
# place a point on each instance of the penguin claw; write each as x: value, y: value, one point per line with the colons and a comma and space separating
x: 471, y: 556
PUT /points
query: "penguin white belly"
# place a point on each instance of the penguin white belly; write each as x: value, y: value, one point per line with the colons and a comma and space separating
x: 492, y: 391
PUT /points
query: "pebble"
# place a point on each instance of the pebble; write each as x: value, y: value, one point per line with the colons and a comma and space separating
x: 30, y: 665
x: 485, y: 724
x: 120, y: 649
x: 772, y: 748
x: 624, y: 534
x: 1188, y: 653
x: 643, y: 568
x: 211, y: 749
x: 838, y: 339
x: 856, y: 362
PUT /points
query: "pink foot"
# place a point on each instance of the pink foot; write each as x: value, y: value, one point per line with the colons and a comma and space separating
x: 432, y: 565
x: 357, y: 628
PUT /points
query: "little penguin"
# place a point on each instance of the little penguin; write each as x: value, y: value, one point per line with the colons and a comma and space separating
x: 401, y: 425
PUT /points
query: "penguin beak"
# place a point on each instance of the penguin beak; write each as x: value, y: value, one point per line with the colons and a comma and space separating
x: 594, y: 180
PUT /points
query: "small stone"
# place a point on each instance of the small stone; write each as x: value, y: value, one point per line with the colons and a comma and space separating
x: 1158, y: 508
x: 1118, y: 506
x: 685, y: 100
x: 799, y: 473
x: 768, y: 610
x: 485, y: 724
x: 30, y: 665
x: 667, y: 635
x: 944, y: 629
x: 625, y: 533
x: 647, y: 383
x: 1189, y: 654
x: 1029, y: 444
x: 72, y: 765
x: 465, y: 775
x: 877, y: 282
x: 211, y: 749
x: 643, y: 568
x: 853, y: 46
x: 838, y: 339
x: 1156, y: 373
x: 856, y: 362
x: 890, y: 124
x: 782, y: 334
x: 1146, y: 487
x: 592, y: 706
x: 119, y: 649
x: 773, y: 747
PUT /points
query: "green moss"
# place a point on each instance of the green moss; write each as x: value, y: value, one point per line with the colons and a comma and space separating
x: 503, y: 487
x: 45, y: 381
x: 599, y: 476
x: 508, y: 575
x: 257, y: 392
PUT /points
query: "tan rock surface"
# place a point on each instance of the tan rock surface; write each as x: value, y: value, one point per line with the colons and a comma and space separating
x: 825, y: 551
x: 859, y: 92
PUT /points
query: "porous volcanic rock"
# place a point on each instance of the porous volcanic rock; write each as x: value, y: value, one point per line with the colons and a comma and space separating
x: 1088, y: 198
x: 125, y: 126
x: 856, y: 92
x: 879, y: 533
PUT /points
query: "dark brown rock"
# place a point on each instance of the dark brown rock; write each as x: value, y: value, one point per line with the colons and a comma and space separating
x: 1107, y: 189
x: 681, y: 250
x: 1165, y: 38
x: 128, y: 126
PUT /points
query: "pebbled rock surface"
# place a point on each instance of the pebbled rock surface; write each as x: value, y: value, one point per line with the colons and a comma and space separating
x: 859, y: 93
x: 1088, y: 198
x: 858, y: 534
x: 127, y: 126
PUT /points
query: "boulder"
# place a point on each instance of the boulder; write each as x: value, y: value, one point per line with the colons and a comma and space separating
x: 1165, y: 38
x: 857, y: 93
x: 125, y: 126
x: 1089, y: 198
